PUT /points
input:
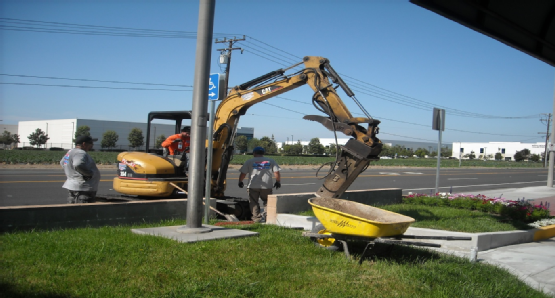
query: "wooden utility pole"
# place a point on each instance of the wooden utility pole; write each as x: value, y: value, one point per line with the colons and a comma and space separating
x: 227, y: 53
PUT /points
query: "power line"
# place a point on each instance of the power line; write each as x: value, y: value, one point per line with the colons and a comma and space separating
x: 150, y: 89
x: 391, y: 134
x: 405, y: 122
x: 282, y: 64
x: 381, y: 93
x: 90, y: 80
x: 70, y: 28
x: 91, y: 87
x: 360, y: 86
x: 412, y: 123
x: 287, y: 59
x: 264, y: 53
x: 417, y: 103
x: 388, y: 95
x: 295, y: 56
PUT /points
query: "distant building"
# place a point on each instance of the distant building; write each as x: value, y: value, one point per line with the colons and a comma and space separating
x: 245, y: 131
x: 62, y: 131
x: 488, y: 150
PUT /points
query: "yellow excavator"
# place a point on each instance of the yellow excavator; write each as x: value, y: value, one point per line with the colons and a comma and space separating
x: 149, y: 174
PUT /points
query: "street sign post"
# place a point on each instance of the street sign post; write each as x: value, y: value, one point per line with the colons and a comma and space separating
x: 214, y: 86
x: 438, y: 123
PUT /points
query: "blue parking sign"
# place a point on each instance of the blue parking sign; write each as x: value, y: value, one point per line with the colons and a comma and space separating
x: 214, y: 86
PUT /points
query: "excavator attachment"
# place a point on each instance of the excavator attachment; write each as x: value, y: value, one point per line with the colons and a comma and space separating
x: 355, y: 157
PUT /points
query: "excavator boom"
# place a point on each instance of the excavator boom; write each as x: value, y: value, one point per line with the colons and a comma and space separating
x: 320, y: 76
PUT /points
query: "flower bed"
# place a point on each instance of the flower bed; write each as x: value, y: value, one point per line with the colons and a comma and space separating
x: 522, y: 210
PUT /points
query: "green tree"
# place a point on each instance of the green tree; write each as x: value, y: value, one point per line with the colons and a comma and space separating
x: 398, y: 150
x: 535, y: 157
x: 386, y: 151
x: 522, y: 155
x: 470, y: 155
x: 241, y: 143
x: 252, y: 143
x: 315, y: 147
x: 297, y: 149
x: 286, y: 148
x: 332, y: 149
x: 268, y: 144
x: 421, y: 152
x: 82, y: 130
x: 15, y: 138
x: 159, y: 140
x: 498, y: 156
x: 109, y: 139
x: 136, y: 138
x: 7, y: 138
x: 446, y: 152
x: 38, y: 138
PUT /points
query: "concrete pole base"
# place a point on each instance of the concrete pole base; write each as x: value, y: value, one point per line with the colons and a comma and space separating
x: 200, y: 230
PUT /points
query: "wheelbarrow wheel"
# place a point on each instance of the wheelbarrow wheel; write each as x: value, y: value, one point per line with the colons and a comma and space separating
x: 326, y: 243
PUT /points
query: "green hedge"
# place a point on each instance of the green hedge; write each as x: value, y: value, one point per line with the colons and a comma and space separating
x: 50, y: 157
x: 42, y: 156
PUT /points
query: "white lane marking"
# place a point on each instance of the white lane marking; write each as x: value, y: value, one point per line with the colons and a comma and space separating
x: 298, y: 183
x: 460, y: 178
x: 463, y: 186
x: 387, y: 173
x: 413, y: 173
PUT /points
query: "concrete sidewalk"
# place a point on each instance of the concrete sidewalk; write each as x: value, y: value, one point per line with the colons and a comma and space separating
x: 532, y: 262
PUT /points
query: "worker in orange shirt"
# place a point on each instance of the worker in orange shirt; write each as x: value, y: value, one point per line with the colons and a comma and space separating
x: 179, y: 144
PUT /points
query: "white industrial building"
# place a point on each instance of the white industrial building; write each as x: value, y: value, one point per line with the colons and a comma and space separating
x: 62, y: 131
x: 488, y: 150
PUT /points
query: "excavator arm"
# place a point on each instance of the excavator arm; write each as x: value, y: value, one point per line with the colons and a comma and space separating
x: 320, y: 76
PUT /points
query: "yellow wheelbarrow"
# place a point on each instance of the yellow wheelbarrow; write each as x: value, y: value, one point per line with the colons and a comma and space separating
x: 343, y: 221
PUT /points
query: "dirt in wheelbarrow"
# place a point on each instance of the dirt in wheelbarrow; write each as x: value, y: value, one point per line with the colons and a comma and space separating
x: 361, y: 210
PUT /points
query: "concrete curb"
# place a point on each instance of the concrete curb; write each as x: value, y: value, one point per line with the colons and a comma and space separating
x: 543, y: 233
x: 70, y: 216
x: 482, y: 241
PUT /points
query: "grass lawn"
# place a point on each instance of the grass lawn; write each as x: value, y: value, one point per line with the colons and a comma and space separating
x: 452, y: 219
x: 113, y: 262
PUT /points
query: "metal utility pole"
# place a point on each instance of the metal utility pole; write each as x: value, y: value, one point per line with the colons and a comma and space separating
x: 438, y: 123
x: 199, y: 119
x: 227, y: 56
x: 551, y: 153
x: 548, y: 120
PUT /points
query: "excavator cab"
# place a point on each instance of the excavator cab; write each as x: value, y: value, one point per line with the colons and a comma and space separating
x: 176, y: 116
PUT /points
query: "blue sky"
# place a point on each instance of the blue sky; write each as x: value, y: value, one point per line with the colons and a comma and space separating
x: 400, y: 60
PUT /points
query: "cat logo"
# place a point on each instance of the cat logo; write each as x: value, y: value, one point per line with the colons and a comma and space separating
x: 268, y: 90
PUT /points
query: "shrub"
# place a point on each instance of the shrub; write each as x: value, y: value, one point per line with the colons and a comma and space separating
x: 521, y: 210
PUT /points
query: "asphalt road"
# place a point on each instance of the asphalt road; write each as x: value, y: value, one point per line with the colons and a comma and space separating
x: 44, y: 186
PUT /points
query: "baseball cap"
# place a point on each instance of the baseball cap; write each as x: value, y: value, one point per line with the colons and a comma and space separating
x: 259, y: 150
x: 84, y: 139
x: 186, y: 128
